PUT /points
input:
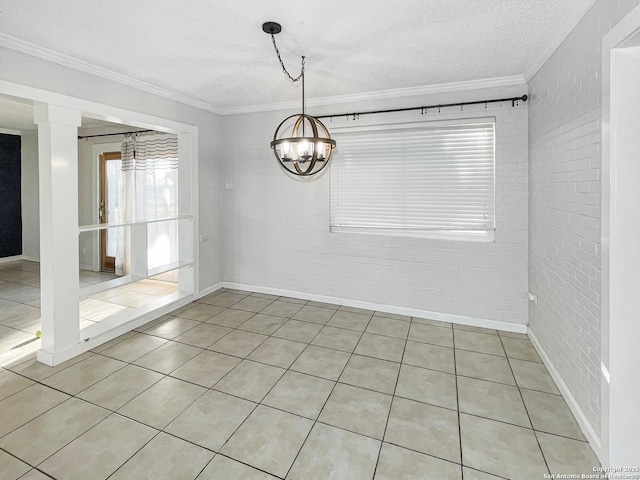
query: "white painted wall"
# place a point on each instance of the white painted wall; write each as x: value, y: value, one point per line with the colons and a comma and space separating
x: 25, y: 70
x: 276, y: 228
x: 565, y: 129
x: 30, y: 196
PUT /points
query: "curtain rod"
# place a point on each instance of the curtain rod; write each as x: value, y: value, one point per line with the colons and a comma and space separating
x: 425, y: 108
x: 80, y: 137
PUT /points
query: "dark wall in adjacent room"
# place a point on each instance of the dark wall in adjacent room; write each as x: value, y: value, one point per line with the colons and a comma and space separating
x: 10, y: 203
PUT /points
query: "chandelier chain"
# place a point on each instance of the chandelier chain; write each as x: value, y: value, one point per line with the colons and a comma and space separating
x: 284, y: 69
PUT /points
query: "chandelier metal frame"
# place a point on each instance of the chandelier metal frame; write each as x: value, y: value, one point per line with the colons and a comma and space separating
x: 299, y: 153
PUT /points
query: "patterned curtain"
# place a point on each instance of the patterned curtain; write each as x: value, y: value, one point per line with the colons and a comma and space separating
x: 149, y: 191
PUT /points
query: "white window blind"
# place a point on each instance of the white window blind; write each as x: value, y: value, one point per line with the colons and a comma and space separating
x: 415, y: 178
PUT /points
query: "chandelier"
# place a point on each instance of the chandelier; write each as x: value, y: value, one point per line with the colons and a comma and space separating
x: 301, y: 143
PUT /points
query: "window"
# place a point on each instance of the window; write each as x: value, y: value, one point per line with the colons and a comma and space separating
x: 415, y: 178
x: 150, y: 192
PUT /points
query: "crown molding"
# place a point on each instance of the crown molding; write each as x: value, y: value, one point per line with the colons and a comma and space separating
x: 514, y: 80
x: 561, y: 33
x: 47, y: 54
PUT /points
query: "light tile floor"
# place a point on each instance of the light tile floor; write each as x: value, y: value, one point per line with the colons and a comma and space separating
x: 20, y: 300
x: 242, y: 385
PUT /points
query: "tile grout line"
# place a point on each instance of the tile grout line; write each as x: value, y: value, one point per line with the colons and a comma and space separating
x: 393, y: 397
x: 316, y: 421
x: 111, y: 412
x: 455, y: 365
x: 335, y: 349
x: 208, y: 348
x: 241, y: 358
x: 132, y: 398
x: 208, y: 389
x: 115, y: 412
x: 44, y: 378
x: 260, y: 402
x: 455, y: 372
x: 430, y: 455
x: 243, y: 463
x: 91, y: 428
x: 193, y: 383
x: 134, y: 454
x: 352, y: 353
x: 527, y: 410
x: 3, y: 449
x: 40, y: 414
x: 144, y: 332
x: 40, y: 471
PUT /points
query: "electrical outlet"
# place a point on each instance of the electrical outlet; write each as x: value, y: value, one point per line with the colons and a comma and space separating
x: 533, y: 298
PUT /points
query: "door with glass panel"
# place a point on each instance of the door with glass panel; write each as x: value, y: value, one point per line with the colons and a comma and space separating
x: 110, y: 208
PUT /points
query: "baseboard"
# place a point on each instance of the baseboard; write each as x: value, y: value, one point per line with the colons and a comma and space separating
x: 34, y: 259
x: 11, y: 259
x: 19, y: 257
x: 101, y: 332
x: 411, y: 312
x: 209, y: 290
x: 587, y: 429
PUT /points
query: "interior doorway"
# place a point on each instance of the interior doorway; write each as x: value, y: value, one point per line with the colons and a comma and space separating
x: 620, y: 238
x: 109, y: 208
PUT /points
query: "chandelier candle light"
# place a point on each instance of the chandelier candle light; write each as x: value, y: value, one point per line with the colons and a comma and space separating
x: 307, y: 149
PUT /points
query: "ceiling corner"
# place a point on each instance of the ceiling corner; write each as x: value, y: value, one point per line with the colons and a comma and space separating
x: 563, y: 30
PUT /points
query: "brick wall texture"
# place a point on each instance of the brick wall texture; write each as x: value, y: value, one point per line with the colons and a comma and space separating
x: 276, y: 229
x: 565, y: 165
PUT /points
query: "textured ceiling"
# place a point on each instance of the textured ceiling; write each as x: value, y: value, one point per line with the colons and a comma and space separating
x: 214, y: 51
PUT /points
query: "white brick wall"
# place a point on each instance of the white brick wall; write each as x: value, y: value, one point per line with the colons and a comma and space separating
x: 276, y: 229
x: 565, y: 204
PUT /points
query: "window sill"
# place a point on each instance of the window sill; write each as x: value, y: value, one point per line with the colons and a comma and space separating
x: 485, y: 236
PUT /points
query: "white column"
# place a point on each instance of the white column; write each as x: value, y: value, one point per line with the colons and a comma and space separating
x: 59, y: 260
